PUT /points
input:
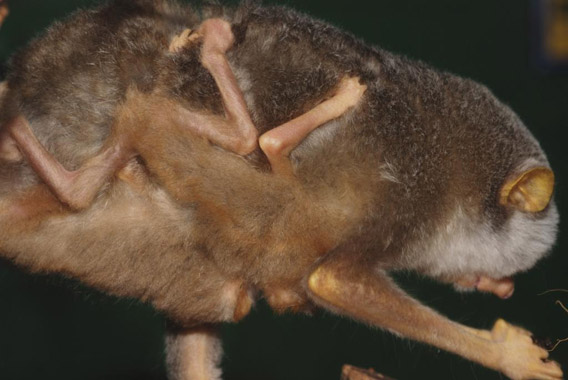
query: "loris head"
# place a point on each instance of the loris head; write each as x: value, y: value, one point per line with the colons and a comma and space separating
x: 496, y: 251
x: 512, y: 221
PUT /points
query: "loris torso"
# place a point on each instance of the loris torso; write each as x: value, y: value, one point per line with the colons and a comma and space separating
x: 380, y: 180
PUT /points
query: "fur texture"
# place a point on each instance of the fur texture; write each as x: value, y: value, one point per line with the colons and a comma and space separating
x: 407, y: 179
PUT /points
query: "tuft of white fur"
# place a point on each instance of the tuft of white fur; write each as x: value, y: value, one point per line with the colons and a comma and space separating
x: 389, y: 172
x: 466, y: 246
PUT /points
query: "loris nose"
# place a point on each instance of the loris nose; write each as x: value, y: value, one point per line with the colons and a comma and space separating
x: 530, y: 191
x: 502, y: 288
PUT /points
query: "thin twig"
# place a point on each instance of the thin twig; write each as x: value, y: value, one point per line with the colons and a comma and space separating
x: 562, y: 305
x: 553, y: 290
x: 558, y: 341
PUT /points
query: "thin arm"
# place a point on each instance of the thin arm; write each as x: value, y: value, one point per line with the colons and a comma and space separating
x: 371, y: 296
x: 217, y: 39
x: 280, y: 141
x: 74, y: 188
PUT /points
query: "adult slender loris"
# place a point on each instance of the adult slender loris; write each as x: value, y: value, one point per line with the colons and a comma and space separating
x: 398, y: 190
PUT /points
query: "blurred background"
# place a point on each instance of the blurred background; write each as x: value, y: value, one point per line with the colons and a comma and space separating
x: 53, y: 328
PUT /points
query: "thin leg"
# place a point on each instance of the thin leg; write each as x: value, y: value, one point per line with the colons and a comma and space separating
x: 75, y: 188
x: 235, y: 131
x: 371, y: 296
x: 193, y: 354
x: 280, y: 141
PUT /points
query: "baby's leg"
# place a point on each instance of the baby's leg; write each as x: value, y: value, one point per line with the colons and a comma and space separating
x: 280, y: 141
x: 234, y: 131
x: 74, y: 188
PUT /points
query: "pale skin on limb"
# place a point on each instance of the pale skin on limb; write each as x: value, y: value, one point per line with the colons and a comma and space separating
x: 234, y: 131
x: 372, y: 297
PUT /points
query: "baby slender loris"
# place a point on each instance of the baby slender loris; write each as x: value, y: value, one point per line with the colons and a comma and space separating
x: 234, y: 131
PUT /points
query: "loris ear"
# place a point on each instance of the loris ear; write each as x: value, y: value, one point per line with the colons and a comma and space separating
x: 530, y: 192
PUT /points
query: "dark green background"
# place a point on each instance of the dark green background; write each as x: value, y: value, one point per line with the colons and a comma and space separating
x: 52, y: 328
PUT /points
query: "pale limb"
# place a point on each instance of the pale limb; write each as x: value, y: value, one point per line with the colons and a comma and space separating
x: 280, y: 141
x: 236, y: 131
x: 74, y: 188
x: 193, y: 354
x: 371, y: 296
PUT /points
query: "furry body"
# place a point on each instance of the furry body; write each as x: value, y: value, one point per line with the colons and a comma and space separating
x: 196, y: 230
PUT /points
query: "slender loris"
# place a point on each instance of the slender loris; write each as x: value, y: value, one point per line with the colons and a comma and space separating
x: 385, y: 183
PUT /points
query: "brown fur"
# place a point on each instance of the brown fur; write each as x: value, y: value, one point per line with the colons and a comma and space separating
x: 193, y: 229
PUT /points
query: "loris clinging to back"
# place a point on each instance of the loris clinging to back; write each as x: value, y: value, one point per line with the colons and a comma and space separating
x: 390, y: 184
x: 70, y: 81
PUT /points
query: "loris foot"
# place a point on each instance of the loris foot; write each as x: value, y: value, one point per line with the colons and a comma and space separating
x: 219, y: 39
x: 182, y: 40
x: 518, y: 357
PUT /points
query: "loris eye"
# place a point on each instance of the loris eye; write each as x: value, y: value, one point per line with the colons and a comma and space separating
x: 529, y: 192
